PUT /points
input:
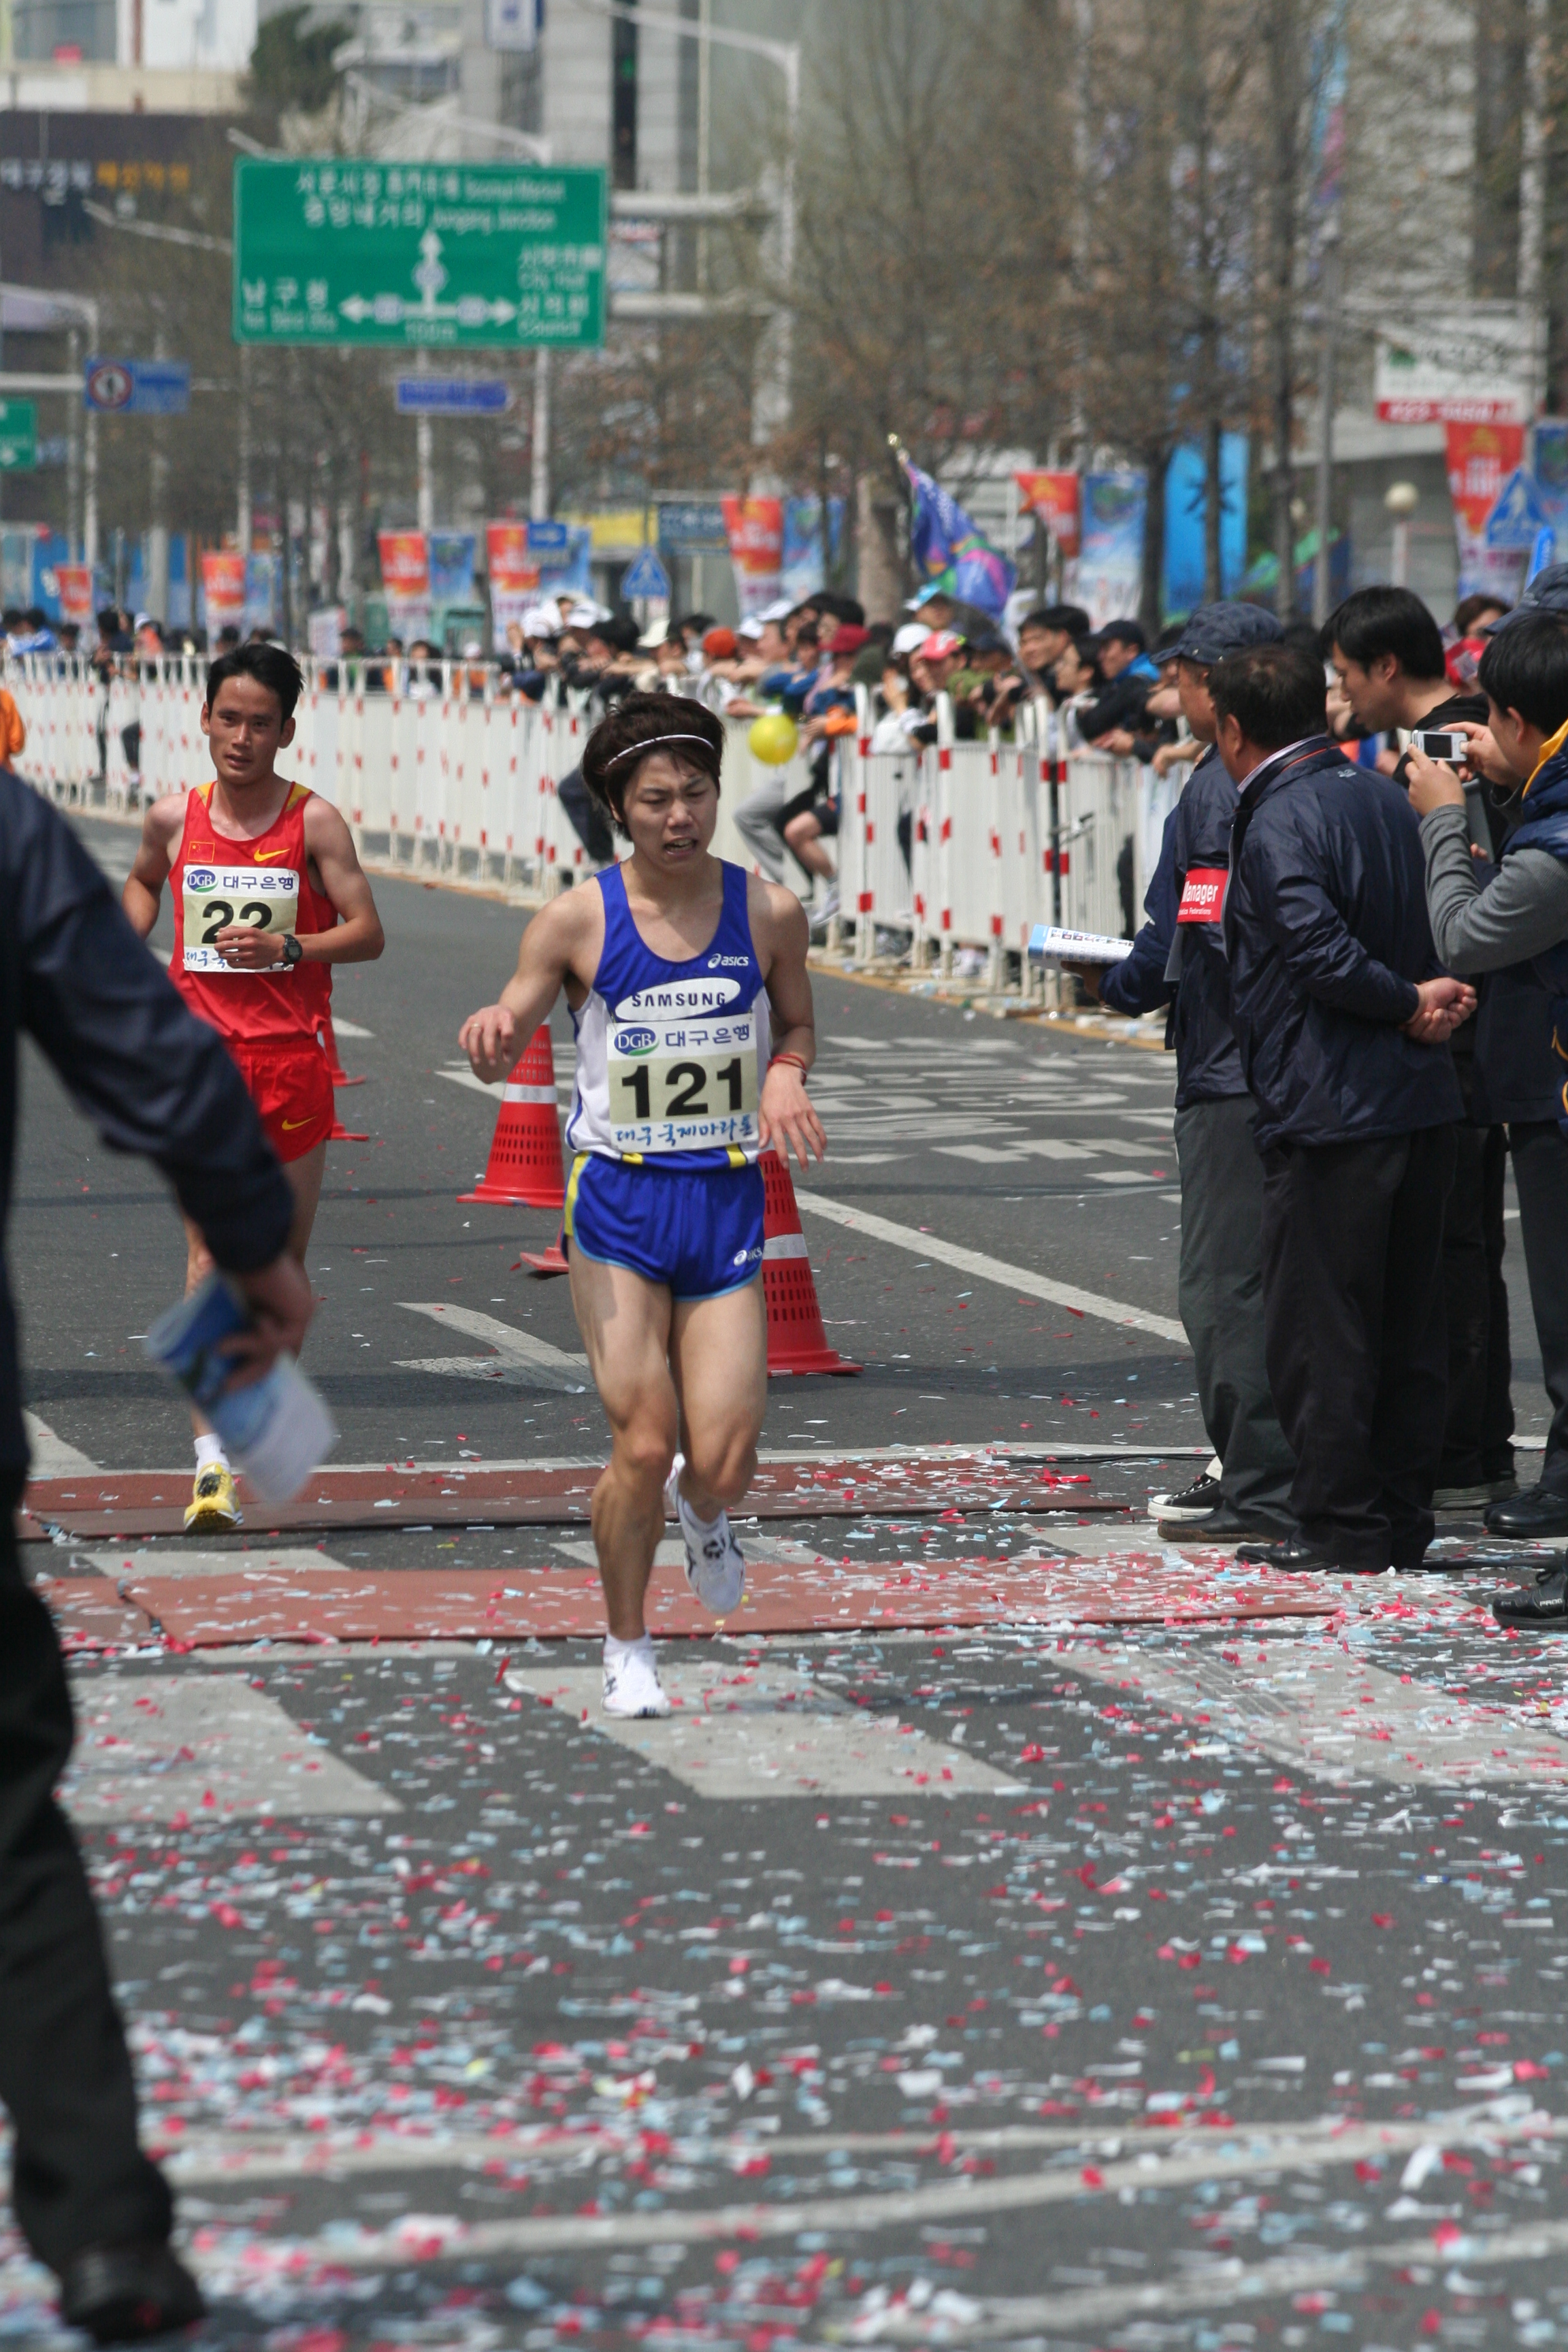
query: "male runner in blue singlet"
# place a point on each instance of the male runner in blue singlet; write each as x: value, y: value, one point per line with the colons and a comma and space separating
x: 688, y: 986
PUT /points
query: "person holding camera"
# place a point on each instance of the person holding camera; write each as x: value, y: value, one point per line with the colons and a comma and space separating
x: 1386, y: 653
x: 1512, y: 922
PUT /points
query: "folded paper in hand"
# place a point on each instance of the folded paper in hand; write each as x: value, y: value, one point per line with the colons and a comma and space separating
x: 1049, y: 944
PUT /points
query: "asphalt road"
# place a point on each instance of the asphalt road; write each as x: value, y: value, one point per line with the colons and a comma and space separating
x: 1051, y: 1989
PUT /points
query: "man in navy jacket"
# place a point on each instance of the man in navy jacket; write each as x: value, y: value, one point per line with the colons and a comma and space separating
x: 77, y: 979
x: 1178, y: 959
x: 1342, y: 1018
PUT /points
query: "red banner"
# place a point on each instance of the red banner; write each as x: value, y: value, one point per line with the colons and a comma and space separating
x: 223, y: 587
x: 512, y: 570
x: 754, y: 528
x: 75, y: 590
x: 1480, y: 459
x: 1054, y: 496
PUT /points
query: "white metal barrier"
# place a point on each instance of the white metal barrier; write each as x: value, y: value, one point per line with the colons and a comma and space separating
x: 949, y: 845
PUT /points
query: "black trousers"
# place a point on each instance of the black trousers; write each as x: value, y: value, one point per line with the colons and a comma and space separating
x: 1352, y: 1300
x: 1220, y: 1294
x: 1540, y: 1178
x: 1475, y: 1438
x: 79, y: 2178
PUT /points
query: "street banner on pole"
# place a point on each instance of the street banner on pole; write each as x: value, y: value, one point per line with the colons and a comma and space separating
x: 334, y: 250
x: 405, y: 577
x: 223, y: 587
x: 755, y: 531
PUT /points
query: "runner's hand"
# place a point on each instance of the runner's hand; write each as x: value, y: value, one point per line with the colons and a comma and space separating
x: 281, y: 1306
x: 786, y: 1117
x: 245, y: 946
x: 488, y: 1037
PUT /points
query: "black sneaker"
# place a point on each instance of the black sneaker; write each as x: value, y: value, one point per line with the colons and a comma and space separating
x: 1541, y: 1607
x: 1194, y: 1502
x: 123, y: 2294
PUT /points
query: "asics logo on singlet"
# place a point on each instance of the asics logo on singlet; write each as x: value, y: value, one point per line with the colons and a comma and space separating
x: 729, y: 963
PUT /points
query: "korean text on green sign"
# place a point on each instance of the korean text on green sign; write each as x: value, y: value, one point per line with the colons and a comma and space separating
x: 443, y: 255
x: 18, y: 436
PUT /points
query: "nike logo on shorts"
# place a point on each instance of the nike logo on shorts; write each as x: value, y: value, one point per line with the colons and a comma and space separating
x: 291, y: 1124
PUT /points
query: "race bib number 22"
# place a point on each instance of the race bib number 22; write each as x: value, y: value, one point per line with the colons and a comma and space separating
x: 214, y: 896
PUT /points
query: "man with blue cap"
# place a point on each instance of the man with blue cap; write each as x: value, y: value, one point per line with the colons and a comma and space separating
x: 1177, y: 960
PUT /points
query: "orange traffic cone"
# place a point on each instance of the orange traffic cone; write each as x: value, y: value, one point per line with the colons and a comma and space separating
x: 339, y: 1133
x: 797, y: 1340
x: 524, y: 1169
x: 544, y: 1262
x: 326, y: 1038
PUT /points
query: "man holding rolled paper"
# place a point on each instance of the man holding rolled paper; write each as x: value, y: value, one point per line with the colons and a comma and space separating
x: 1177, y: 960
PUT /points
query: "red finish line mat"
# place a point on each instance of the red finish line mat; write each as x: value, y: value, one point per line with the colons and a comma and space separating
x: 437, y: 1604
x: 152, y: 1503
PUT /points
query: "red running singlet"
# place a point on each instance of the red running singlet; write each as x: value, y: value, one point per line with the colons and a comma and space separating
x: 217, y: 881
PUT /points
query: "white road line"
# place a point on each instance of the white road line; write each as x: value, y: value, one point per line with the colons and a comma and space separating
x: 1316, y: 2149
x: 342, y: 1028
x: 525, y: 1361
x: 991, y: 1269
x: 1215, y: 2284
x: 198, y: 2159
x: 51, y: 1457
x: 151, y: 1748
x: 134, y: 1566
x: 1337, y: 1717
x: 756, y: 1732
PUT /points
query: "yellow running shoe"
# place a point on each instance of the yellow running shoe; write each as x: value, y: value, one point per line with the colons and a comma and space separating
x: 212, y: 1507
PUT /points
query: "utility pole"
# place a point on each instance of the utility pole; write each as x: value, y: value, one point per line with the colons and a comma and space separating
x: 1328, y: 325
x: 158, y: 534
x: 539, y: 473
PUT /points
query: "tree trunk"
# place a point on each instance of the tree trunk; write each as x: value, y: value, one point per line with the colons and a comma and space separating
x: 882, y: 582
x: 1151, y: 601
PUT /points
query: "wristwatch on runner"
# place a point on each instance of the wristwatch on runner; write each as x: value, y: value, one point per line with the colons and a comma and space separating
x: 292, y: 951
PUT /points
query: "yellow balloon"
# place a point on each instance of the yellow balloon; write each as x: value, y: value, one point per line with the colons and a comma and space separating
x: 773, y: 739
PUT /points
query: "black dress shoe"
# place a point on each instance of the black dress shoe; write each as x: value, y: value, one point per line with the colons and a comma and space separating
x: 1294, y: 1553
x: 1541, y: 1607
x: 1538, y: 1511
x: 123, y: 2294
x: 1222, y: 1524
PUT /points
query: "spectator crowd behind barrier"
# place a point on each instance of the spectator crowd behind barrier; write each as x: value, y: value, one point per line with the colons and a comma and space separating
x: 954, y: 847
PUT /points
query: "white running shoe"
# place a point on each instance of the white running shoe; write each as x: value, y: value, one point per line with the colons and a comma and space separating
x: 632, y: 1686
x: 715, y: 1564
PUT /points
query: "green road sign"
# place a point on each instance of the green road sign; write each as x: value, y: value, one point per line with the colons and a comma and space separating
x: 444, y: 255
x: 18, y: 436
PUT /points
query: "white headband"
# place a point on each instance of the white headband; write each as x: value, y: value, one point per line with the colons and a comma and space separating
x: 652, y: 745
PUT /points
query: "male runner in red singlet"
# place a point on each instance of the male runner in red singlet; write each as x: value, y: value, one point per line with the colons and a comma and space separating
x: 269, y: 894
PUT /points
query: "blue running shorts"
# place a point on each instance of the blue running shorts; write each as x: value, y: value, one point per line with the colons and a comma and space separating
x: 697, y: 1231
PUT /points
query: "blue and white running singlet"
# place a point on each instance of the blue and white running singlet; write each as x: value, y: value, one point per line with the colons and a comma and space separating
x: 672, y: 1057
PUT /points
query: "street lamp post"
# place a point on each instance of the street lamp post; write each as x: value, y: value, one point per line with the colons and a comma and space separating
x: 769, y: 415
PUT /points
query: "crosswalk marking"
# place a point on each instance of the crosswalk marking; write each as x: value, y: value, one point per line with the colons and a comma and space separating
x: 157, y: 1748
x: 525, y: 1361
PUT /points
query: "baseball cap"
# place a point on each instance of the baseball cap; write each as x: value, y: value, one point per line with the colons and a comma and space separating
x: 908, y: 638
x: 539, y: 621
x: 1547, y: 593
x: 924, y: 595
x: 719, y: 645
x: 752, y: 628
x: 779, y: 610
x: 1211, y: 631
x: 939, y: 645
x: 847, y: 638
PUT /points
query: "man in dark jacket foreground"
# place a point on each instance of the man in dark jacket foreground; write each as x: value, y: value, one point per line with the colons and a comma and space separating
x: 1178, y: 959
x: 74, y: 975
x: 1343, y: 1020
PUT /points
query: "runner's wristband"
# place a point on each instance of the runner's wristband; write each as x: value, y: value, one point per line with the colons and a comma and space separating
x: 799, y: 1064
